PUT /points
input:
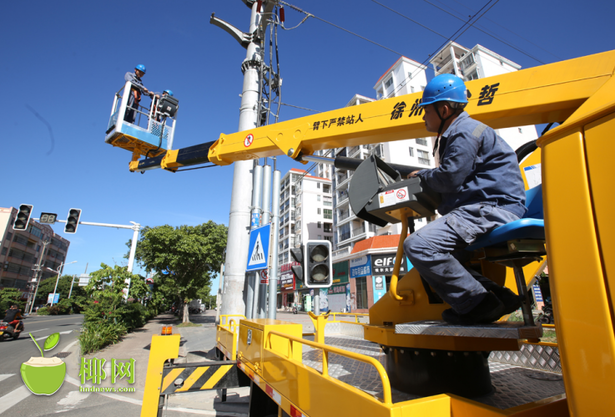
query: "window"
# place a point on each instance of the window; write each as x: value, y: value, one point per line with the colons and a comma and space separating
x: 328, y: 214
x: 318, y: 211
x: 388, y: 82
x: 319, y: 237
x: 319, y: 225
x: 318, y: 185
x: 4, y: 249
x: 411, y: 150
x: 421, y: 142
x: 412, y: 89
x: 409, y: 75
x: 36, y: 232
x: 423, y: 157
x: 318, y: 197
x: 361, y: 292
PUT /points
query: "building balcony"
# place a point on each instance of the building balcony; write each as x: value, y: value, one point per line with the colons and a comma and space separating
x: 341, y: 252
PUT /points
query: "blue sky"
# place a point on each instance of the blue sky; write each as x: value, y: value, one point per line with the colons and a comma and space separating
x: 64, y: 60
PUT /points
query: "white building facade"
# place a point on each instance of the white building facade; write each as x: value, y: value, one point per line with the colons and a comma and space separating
x: 480, y: 62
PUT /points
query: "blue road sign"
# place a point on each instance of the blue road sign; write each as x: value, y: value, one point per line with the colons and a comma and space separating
x: 258, y: 251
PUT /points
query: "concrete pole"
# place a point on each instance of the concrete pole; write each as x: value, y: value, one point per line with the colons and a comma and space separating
x: 275, y: 225
x: 239, y: 219
x: 262, y: 291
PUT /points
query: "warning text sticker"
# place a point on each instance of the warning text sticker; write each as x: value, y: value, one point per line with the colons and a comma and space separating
x: 393, y: 197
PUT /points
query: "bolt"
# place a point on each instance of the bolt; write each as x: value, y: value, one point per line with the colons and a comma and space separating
x: 290, y: 152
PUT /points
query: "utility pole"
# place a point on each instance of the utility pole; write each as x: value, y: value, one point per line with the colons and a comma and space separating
x: 37, y: 276
x: 239, y: 219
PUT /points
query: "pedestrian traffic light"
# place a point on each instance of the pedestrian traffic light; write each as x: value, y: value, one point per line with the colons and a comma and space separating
x: 297, y: 255
x: 72, y: 220
x: 318, y: 266
x: 23, y: 217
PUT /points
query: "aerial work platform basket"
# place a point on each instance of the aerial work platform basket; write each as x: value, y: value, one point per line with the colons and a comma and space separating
x: 145, y: 130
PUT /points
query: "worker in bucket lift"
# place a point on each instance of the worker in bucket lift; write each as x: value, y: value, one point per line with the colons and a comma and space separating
x: 156, y: 100
x: 478, y: 175
x: 135, y: 92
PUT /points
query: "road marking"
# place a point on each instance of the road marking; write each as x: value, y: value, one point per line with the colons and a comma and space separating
x: 45, y: 337
x: 34, y: 331
x: 117, y: 397
x: 71, y: 400
x: 69, y: 346
x: 5, y: 376
x: 13, y: 398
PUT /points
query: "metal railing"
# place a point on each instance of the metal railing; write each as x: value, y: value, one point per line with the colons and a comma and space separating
x: 326, y: 350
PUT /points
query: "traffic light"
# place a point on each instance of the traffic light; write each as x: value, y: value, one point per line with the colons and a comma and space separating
x: 23, y: 217
x: 297, y: 255
x: 72, y: 220
x: 317, y: 264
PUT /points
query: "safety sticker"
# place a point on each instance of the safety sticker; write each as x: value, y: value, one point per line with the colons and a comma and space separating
x: 295, y: 412
x: 393, y: 197
x: 248, y: 140
x: 274, y: 395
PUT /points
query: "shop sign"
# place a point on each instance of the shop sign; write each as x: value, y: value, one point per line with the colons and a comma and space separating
x: 384, y: 264
x: 360, y: 267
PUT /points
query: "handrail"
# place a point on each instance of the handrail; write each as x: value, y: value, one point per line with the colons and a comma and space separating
x: 398, y: 258
x: 386, y: 384
x: 356, y: 316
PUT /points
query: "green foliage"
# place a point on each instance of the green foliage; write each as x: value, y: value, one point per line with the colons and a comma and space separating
x: 43, y: 311
x: 184, y: 258
x: 8, y: 297
x: 64, y: 283
x: 96, y: 335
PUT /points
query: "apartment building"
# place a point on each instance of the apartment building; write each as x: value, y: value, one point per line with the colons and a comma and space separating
x: 480, y: 62
x: 22, y: 251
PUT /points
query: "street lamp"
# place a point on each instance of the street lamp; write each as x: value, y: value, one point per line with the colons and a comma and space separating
x: 59, y: 271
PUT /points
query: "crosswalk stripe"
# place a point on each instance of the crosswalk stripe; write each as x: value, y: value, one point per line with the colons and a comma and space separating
x: 13, y: 398
x: 5, y: 376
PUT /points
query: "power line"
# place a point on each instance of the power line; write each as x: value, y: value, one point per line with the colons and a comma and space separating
x: 413, y: 21
x: 341, y: 28
x: 486, y: 32
x: 467, y: 25
x: 516, y: 34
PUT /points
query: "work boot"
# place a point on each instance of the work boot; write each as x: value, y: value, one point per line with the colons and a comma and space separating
x: 511, y: 301
x: 487, y: 311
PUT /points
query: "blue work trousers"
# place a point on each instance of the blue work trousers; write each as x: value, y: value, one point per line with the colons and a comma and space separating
x: 436, y: 249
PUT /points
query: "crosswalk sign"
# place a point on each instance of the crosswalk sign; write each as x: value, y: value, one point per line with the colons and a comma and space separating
x: 258, y: 251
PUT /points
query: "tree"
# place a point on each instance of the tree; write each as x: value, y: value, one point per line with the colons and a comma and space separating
x: 46, y: 287
x: 8, y: 297
x: 184, y: 258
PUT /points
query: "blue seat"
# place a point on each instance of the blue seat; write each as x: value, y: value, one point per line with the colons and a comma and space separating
x: 531, y: 226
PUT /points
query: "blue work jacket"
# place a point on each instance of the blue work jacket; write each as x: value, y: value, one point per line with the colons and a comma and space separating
x: 476, y: 166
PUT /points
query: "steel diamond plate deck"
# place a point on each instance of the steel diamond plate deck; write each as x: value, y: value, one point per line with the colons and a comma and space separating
x: 500, y: 330
x: 513, y: 385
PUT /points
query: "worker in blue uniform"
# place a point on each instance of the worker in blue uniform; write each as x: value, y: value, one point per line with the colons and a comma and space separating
x: 135, y: 92
x: 478, y: 176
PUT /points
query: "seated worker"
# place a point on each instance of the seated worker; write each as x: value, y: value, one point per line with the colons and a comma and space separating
x: 135, y: 92
x: 156, y: 100
x: 13, y: 317
x: 478, y: 176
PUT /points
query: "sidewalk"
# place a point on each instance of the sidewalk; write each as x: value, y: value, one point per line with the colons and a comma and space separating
x: 197, y: 344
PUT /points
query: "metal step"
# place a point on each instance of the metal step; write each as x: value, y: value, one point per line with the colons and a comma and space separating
x: 498, y: 330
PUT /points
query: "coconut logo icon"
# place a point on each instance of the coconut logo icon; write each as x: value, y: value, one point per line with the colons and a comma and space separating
x: 44, y: 376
